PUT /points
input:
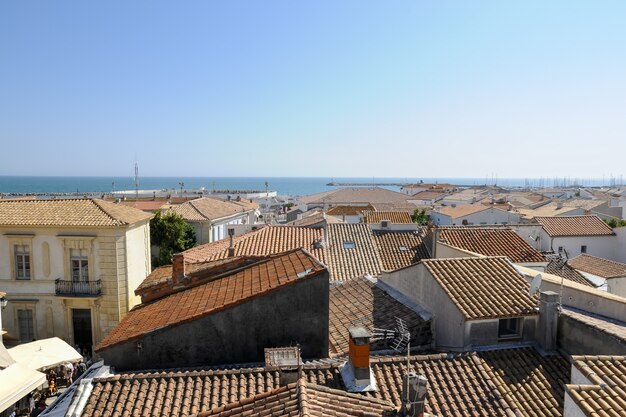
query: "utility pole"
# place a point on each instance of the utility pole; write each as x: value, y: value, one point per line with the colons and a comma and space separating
x: 182, y: 184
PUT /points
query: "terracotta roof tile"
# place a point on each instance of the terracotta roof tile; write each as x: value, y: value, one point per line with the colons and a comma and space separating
x: 267, y: 240
x: 596, y: 401
x: 561, y: 269
x: 205, y: 208
x: 68, y: 212
x: 348, y: 210
x: 606, y: 393
x: 461, y: 210
x: 458, y: 384
x: 400, y: 249
x: 491, y: 242
x: 351, y: 252
x: 575, y: 226
x: 598, y: 266
x: 192, y: 303
x: 483, y: 288
x: 533, y: 385
x: 305, y: 399
x: 392, y: 216
x: 362, y: 302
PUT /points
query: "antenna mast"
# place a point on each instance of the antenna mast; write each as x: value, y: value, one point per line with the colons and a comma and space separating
x: 136, y: 180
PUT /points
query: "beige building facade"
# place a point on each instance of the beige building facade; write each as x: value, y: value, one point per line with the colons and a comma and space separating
x: 70, y: 267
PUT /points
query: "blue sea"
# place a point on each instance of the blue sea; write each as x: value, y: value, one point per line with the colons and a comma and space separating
x: 283, y: 185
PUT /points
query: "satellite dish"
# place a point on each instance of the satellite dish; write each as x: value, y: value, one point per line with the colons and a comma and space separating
x: 534, y: 285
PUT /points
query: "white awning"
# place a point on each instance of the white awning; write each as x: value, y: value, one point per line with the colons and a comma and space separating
x: 16, y: 382
x: 44, y: 354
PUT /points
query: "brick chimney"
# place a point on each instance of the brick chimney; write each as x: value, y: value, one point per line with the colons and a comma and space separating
x: 414, y: 393
x: 178, y: 268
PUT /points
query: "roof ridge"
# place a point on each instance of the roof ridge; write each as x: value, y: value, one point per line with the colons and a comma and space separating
x: 97, y: 203
x: 190, y: 202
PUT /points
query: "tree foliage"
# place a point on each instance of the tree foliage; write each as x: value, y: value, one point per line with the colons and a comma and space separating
x: 615, y: 222
x: 172, y: 234
x: 420, y: 217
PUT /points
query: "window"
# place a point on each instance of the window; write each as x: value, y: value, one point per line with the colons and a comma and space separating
x: 560, y: 249
x: 25, y: 323
x: 509, y: 328
x: 349, y: 244
x: 80, y: 266
x: 22, y: 262
x: 583, y: 249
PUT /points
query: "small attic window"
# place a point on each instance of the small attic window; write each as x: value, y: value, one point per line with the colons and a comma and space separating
x: 348, y: 244
x: 403, y: 248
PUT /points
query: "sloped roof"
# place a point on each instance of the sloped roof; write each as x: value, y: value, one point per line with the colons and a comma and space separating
x: 265, y: 241
x: 255, y: 280
x: 549, y: 210
x: 600, y: 267
x: 574, y: 226
x: 606, y: 395
x: 392, y: 216
x: 351, y: 195
x: 398, y: 249
x: 483, y: 288
x: 348, y: 263
x: 206, y: 208
x: 305, y: 399
x: 348, y: 210
x: 367, y: 304
x: 75, y: 212
x: 461, y: 210
x: 555, y: 267
x: 491, y: 242
x: 476, y: 384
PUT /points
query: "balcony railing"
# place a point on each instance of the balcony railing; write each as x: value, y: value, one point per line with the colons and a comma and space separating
x: 78, y: 289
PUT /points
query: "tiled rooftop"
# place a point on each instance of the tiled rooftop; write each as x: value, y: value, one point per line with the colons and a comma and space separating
x: 595, y: 401
x: 88, y: 212
x: 266, y: 241
x: 305, y: 399
x: 461, y: 210
x: 606, y: 395
x: 206, y: 208
x: 491, y: 242
x: 351, y: 252
x: 532, y: 384
x: 361, y: 302
x: 400, y: 249
x: 498, y: 383
x: 548, y: 210
x: 392, y: 216
x: 483, y: 288
x: 189, y: 304
x: 598, y: 266
x: 348, y: 210
x: 575, y: 226
x: 562, y: 269
x: 352, y: 195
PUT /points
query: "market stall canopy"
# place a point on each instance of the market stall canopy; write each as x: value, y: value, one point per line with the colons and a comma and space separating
x: 44, y: 354
x: 17, y: 381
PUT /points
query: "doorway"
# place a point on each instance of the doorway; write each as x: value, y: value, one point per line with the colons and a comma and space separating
x: 81, y: 322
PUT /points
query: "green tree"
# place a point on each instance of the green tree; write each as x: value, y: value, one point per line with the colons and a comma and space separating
x: 420, y: 217
x: 613, y: 222
x: 171, y: 234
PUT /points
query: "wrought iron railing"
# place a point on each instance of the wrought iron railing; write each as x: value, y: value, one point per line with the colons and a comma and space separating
x: 78, y: 288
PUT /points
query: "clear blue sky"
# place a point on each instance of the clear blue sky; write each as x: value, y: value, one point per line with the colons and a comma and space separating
x: 318, y: 88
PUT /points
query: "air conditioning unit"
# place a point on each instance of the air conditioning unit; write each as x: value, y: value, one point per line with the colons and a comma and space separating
x: 384, y: 224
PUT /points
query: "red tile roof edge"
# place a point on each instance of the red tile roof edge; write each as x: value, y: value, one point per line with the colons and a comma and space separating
x: 324, y: 269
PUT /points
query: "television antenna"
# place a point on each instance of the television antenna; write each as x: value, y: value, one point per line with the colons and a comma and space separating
x: 535, y: 285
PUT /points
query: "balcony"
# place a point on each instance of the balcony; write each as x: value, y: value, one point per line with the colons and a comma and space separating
x: 65, y: 288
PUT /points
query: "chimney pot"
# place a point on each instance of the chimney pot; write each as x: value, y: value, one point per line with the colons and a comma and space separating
x: 414, y: 393
x: 548, y: 320
x: 359, y: 354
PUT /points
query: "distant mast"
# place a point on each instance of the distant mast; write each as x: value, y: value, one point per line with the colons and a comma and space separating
x: 136, y: 180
